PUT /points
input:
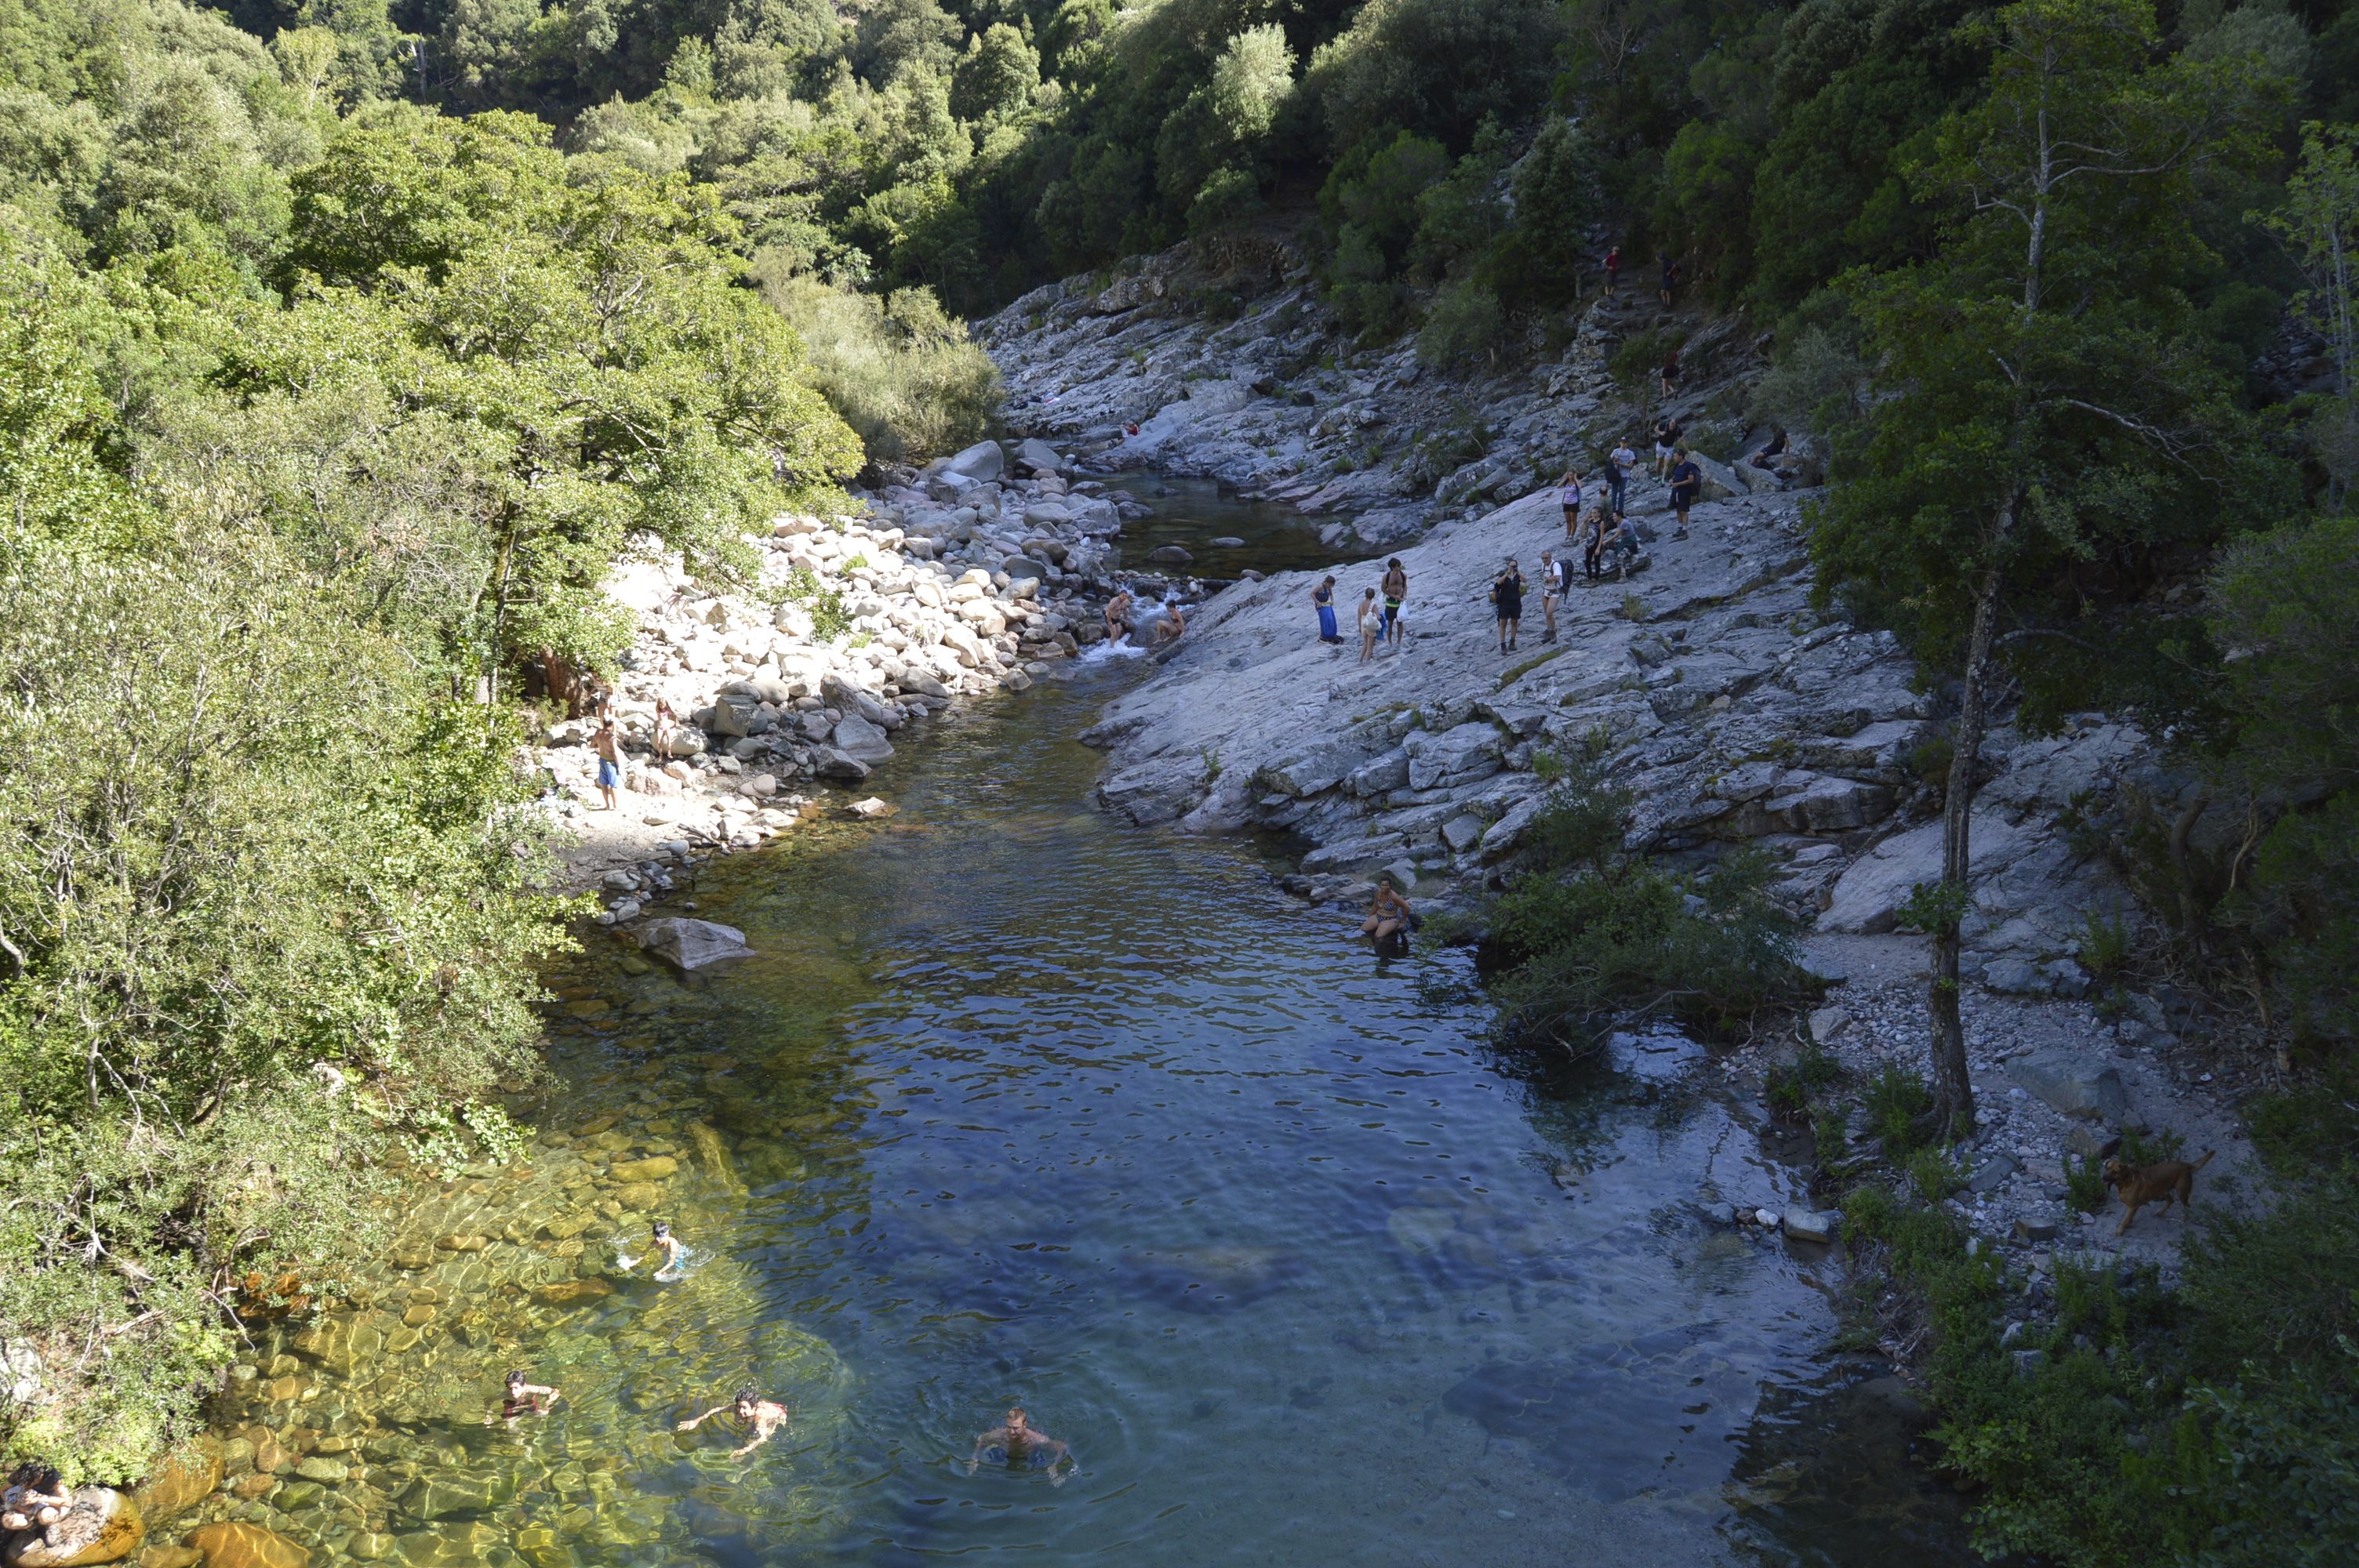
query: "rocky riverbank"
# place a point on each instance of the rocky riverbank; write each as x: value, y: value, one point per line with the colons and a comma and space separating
x: 1736, y: 710
x: 969, y: 576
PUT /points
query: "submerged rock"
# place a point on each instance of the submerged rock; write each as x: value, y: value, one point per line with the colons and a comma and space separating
x: 236, y: 1544
x: 692, y: 945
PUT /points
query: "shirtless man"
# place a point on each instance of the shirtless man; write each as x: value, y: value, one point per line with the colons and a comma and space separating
x: 1117, y: 618
x: 1395, y: 591
x: 1169, y: 624
x: 609, y: 747
x: 670, y: 1246
x: 523, y: 1398
x: 1021, y: 1441
x: 751, y: 1412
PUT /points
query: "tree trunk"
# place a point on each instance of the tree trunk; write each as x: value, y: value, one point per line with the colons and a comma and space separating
x: 1953, y: 1091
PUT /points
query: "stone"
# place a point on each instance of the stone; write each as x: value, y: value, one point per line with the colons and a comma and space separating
x: 2029, y: 1229
x: 567, y: 1292
x: 182, y: 1480
x: 370, y: 1546
x: 1039, y: 457
x: 1381, y: 777
x: 691, y: 944
x: 1462, y: 832
x: 733, y: 714
x: 1868, y: 897
x: 640, y: 1196
x: 1720, y: 1213
x: 2027, y: 1363
x: 254, y: 1486
x: 1993, y: 1174
x: 102, y: 1525
x: 157, y: 1554
x: 657, y: 1168
x: 830, y: 764
x: 1767, y: 1219
x: 2015, y: 977
x: 858, y: 739
x: 872, y: 809
x: 2078, y: 1086
x: 237, y: 1544
x: 1806, y: 1225
x: 1827, y: 1023
x: 1171, y: 556
x: 983, y: 461
x: 327, y: 1472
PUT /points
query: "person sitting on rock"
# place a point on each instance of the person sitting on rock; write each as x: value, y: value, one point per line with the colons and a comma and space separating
x: 1022, y: 1443
x: 1622, y: 540
x: 1389, y: 919
x: 1117, y: 618
x: 751, y: 1412
x: 524, y: 1399
x: 35, y: 1499
x: 1171, y: 624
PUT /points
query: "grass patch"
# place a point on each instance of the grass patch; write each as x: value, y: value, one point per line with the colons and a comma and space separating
x: 1518, y: 672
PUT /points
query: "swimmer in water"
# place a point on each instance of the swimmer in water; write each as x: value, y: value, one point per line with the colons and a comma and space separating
x: 35, y: 1499
x: 523, y: 1398
x: 672, y: 1249
x: 1025, y: 1443
x: 751, y: 1412
x: 1117, y: 618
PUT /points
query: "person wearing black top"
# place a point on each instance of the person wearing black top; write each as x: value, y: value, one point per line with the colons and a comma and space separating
x: 1687, y: 484
x: 1507, y: 601
x: 1667, y: 441
x: 1670, y: 276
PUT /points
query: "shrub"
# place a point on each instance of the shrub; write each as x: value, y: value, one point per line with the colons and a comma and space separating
x: 899, y: 371
x: 1588, y: 933
x: 1463, y: 326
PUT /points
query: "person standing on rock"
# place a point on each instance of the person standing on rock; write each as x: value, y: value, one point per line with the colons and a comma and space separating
x: 1670, y: 371
x: 1396, y: 587
x: 667, y: 726
x: 1568, y: 497
x: 1508, y: 603
x: 609, y: 747
x: 1620, y: 463
x: 1324, y: 596
x: 1612, y: 270
x: 1671, y: 278
x: 751, y: 1412
x: 1372, y: 626
x: 1555, y: 577
x: 1117, y: 618
x: 1593, y: 543
x: 1667, y: 440
x: 1687, y: 484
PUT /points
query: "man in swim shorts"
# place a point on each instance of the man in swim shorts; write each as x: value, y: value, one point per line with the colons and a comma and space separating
x: 1117, y: 618
x: 523, y: 1398
x: 1395, y: 591
x: 609, y: 747
x: 750, y: 1412
x: 1023, y: 1444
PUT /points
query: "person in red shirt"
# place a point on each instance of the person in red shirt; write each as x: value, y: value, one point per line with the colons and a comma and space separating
x: 1612, y: 270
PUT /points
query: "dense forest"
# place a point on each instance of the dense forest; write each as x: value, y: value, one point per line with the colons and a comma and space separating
x: 349, y: 342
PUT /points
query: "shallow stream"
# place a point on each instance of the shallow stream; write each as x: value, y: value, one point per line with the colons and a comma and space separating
x: 1016, y: 1104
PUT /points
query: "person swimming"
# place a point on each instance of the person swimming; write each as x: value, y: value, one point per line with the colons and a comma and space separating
x: 1025, y: 1444
x: 524, y: 1399
x: 674, y: 1251
x: 35, y: 1499
x: 751, y: 1412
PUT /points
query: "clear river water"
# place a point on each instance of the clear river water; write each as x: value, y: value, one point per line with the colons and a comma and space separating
x: 1018, y: 1104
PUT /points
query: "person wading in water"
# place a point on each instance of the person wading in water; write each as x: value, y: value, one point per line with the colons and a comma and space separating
x: 1024, y: 1444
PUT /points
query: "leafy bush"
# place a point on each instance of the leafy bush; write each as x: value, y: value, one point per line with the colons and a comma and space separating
x: 1898, y: 1101
x: 1590, y: 934
x: 1463, y: 325
x: 904, y: 376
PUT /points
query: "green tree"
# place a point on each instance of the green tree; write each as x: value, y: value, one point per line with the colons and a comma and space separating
x: 997, y: 76
x: 2049, y: 412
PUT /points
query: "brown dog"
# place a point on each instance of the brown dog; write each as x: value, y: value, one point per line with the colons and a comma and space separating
x: 2165, y: 1179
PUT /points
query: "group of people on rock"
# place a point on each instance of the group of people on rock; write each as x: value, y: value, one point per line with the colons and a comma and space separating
x: 1016, y: 1442
x: 1168, y: 627
x: 1379, y: 618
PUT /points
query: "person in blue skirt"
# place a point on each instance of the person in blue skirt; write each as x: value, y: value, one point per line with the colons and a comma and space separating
x: 1324, y: 596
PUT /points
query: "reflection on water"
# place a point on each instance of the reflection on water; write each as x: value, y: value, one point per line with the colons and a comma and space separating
x: 1193, y: 512
x: 1018, y: 1105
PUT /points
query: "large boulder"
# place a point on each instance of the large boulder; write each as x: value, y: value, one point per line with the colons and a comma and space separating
x: 1039, y: 457
x: 102, y: 1526
x: 692, y: 945
x: 830, y: 764
x: 1870, y: 895
x: 984, y: 460
x: 2077, y: 1084
x: 733, y: 713
x: 859, y: 739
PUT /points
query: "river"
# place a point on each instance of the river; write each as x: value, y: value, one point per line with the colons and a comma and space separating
x: 1020, y: 1105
